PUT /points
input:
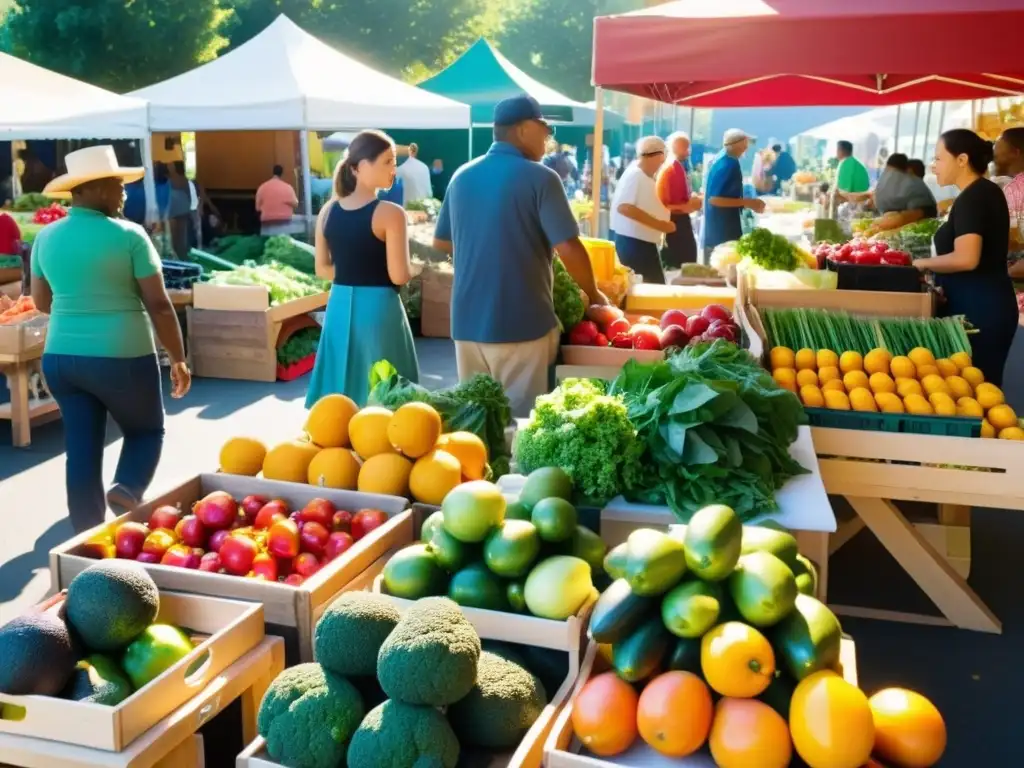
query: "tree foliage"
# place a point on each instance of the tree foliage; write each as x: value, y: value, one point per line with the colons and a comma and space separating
x: 116, y: 44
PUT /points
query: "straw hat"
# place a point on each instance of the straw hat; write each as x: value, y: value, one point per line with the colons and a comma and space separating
x: 91, y: 164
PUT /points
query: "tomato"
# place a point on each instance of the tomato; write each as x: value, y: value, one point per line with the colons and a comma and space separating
x: 867, y: 257
x: 604, y: 715
x: 845, y: 252
x: 737, y: 660
x: 674, y: 713
x: 748, y: 732
x: 896, y: 259
x: 831, y: 722
x: 909, y: 731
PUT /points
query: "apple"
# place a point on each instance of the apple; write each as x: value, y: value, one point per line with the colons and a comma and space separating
x: 165, y: 517
x: 622, y: 341
x: 129, y: 538
x: 338, y: 543
x: 313, y: 537
x: 217, y: 510
x: 366, y: 520
x: 271, y: 512
x: 265, y: 566
x: 217, y: 539
x: 100, y: 547
x: 645, y: 337
x: 148, y: 557
x: 722, y: 330
x: 158, y: 542
x: 293, y: 580
x: 283, y: 540
x: 600, y: 340
x: 190, y: 530
x: 646, y: 320
x: 616, y: 327
x: 306, y: 565
x: 178, y: 556
x: 583, y: 333
x: 673, y: 336
x: 714, y: 312
x: 342, y: 521
x: 251, y: 506
x: 603, y: 314
x: 673, y: 317
x: 237, y: 554
x: 696, y: 325
x: 210, y: 563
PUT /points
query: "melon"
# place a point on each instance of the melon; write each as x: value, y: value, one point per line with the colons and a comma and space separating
x: 328, y: 421
x: 242, y: 456
x: 469, y: 450
x: 334, y: 468
x: 368, y: 432
x: 433, y: 476
x: 289, y: 461
x: 414, y: 429
x: 386, y: 473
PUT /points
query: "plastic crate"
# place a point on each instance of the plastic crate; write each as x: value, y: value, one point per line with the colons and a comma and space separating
x: 947, y: 426
x: 864, y: 277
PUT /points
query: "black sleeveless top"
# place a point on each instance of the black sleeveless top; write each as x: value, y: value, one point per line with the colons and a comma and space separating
x: 360, y: 258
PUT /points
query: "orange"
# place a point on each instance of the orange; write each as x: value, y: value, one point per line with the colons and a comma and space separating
x: 806, y: 378
x: 833, y: 385
x: 748, y: 732
x: 829, y: 373
x: 674, y: 713
x: 927, y: 370
x: 903, y: 368
x: 469, y: 450
x: 909, y: 731
x: 785, y: 378
x: 782, y: 357
x: 851, y: 361
x: 737, y: 660
x: 855, y: 380
x: 831, y: 722
x: 604, y: 715
x: 877, y: 361
x: 806, y: 359
x: 826, y: 358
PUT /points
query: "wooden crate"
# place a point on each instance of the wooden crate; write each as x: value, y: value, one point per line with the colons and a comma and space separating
x: 435, y: 315
x: 234, y: 628
x: 289, y: 611
x: 607, y: 356
x: 654, y: 299
x: 234, y: 333
x: 23, y: 338
x: 172, y: 742
x: 562, y: 749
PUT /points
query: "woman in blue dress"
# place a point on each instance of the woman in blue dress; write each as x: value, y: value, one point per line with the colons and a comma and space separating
x: 362, y: 246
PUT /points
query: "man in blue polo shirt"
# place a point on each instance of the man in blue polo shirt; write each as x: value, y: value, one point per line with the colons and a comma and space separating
x: 503, y: 215
x: 723, y: 193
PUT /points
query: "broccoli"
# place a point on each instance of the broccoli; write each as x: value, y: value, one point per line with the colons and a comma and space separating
x: 396, y: 735
x: 350, y: 633
x: 307, y: 717
x: 502, y: 706
x: 431, y: 656
x: 567, y: 297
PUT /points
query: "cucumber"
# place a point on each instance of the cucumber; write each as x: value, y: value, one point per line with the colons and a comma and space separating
x: 685, y: 656
x: 642, y: 651
x: 692, y: 608
x: 806, y: 576
x: 808, y: 640
x: 655, y: 562
x: 714, y: 538
x: 618, y: 612
x: 757, y: 538
x: 615, y: 562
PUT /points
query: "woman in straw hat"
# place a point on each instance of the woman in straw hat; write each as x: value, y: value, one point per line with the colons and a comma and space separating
x: 99, y: 277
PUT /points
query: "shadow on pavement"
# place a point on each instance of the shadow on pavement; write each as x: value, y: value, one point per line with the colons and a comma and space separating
x: 17, y: 572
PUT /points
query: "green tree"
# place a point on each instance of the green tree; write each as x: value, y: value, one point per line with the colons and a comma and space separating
x: 552, y: 40
x: 116, y: 44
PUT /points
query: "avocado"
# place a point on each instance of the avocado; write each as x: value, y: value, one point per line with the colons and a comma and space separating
x: 714, y: 538
x: 757, y: 538
x: 475, y: 586
x: 809, y: 639
x: 692, y: 608
x: 655, y: 562
x: 615, y: 561
x: 545, y: 483
x: 806, y: 576
x: 98, y: 680
x: 413, y: 572
x: 111, y: 603
x: 38, y: 655
x: 763, y: 588
x: 638, y: 655
x: 618, y: 612
x: 511, y: 549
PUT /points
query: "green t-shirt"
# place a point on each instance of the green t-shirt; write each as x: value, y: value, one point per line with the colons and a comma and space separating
x: 92, y: 264
x: 852, y: 176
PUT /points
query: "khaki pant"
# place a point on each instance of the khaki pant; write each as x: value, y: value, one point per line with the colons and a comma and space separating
x: 521, y: 368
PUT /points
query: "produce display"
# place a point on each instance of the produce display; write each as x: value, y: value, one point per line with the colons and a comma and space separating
x: 180, y: 275
x: 715, y: 639
x: 99, y: 648
x: 771, y: 251
x: 531, y: 556
x: 31, y: 202
x: 282, y: 249
x: 395, y: 691
x: 254, y: 537
x: 863, y: 253
x: 239, y: 249
x: 697, y: 270
x: 284, y: 283
x: 51, y: 213
x: 16, y: 311
x: 607, y: 326
x: 568, y: 298
x: 300, y: 345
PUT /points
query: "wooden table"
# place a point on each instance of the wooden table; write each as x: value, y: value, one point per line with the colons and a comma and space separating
x: 22, y: 410
x: 171, y: 741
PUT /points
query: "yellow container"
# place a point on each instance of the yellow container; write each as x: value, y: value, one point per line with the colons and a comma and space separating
x: 654, y: 298
x: 602, y: 257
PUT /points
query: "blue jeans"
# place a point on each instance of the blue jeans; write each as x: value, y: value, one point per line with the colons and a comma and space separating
x: 87, y: 389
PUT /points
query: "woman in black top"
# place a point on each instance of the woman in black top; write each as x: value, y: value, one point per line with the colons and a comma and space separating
x: 972, y: 246
x: 362, y: 246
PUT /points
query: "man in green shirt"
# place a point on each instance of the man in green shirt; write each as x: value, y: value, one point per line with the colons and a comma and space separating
x: 99, y: 278
x: 851, y: 176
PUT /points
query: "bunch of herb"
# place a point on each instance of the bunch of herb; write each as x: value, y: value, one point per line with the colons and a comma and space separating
x: 569, y: 306
x: 768, y: 250
x: 284, y: 250
x: 299, y: 346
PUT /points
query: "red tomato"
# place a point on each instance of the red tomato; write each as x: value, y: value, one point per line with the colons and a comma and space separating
x: 366, y: 520
x: 869, y: 258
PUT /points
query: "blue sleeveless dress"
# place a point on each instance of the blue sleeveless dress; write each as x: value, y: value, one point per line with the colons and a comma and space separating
x: 365, y: 320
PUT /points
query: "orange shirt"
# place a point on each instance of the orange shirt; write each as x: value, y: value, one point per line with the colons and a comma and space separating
x: 276, y: 200
x: 673, y: 186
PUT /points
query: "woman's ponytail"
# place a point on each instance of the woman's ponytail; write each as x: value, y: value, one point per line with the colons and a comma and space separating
x: 344, y: 178
x: 367, y: 145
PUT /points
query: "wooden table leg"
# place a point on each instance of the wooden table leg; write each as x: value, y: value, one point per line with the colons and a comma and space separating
x: 929, y: 570
x: 21, y: 421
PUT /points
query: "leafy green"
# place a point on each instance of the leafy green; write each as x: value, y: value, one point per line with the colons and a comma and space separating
x: 586, y: 432
x: 715, y: 429
x: 768, y: 250
x: 569, y: 306
x: 284, y: 283
x: 31, y: 201
x: 285, y: 250
x: 299, y: 346
x: 239, y: 249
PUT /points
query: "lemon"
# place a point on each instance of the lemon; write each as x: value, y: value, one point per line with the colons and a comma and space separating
x: 959, y: 387
x: 785, y: 377
x: 1011, y: 433
x: 987, y: 430
x: 861, y: 399
x: 942, y: 403
x: 921, y: 356
x: 903, y: 368
x: 811, y: 396
x: 917, y: 405
x: 806, y: 378
x: 946, y: 367
x: 828, y: 373
x: 833, y: 385
x: 973, y: 375
x: 1001, y: 417
x: 877, y: 361
x: 934, y: 383
x: 827, y: 359
x: 961, y: 360
x: 782, y: 357
x: 989, y: 395
x: 889, y: 402
x: 880, y: 382
x: 806, y: 359
x: 906, y: 387
x: 855, y: 380
x: 836, y: 400
x: 927, y: 370
x: 851, y: 361
x: 969, y: 407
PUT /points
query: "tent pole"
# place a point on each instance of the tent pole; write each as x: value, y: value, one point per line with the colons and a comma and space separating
x: 896, y: 136
x: 307, y: 182
x: 598, y: 163
x: 693, y: 120
x: 148, y: 182
x: 913, y: 136
x: 927, y: 127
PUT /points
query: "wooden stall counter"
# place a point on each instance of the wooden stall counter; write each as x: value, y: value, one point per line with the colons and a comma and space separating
x: 21, y: 349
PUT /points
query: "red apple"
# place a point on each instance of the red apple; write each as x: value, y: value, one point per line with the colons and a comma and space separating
x: 342, y: 521
x: 616, y: 327
x: 100, y: 547
x: 251, y: 506
x: 673, y: 336
x: 313, y: 537
x: 696, y: 325
x: 337, y: 544
x: 366, y: 520
x: 165, y: 517
x: 237, y: 554
x: 210, y: 563
x: 264, y: 565
x: 283, y: 540
x: 129, y: 538
x: 720, y: 329
x: 271, y: 512
x: 293, y: 580
x: 191, y: 531
x: 178, y: 556
x: 673, y: 317
x: 645, y: 337
x: 196, y: 558
x: 306, y: 565
x: 217, y: 510
x: 148, y: 557
x: 714, y: 312
x: 318, y: 511
x: 217, y: 539
x: 622, y: 341
x: 600, y: 340
x: 158, y: 542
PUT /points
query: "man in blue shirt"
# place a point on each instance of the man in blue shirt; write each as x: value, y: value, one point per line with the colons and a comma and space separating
x: 723, y: 193
x: 502, y: 216
x: 782, y: 169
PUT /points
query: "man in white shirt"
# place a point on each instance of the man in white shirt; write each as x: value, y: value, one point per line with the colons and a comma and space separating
x: 638, y: 217
x: 415, y: 176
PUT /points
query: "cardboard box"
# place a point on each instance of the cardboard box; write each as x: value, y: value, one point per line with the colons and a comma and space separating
x: 21, y: 338
x: 289, y: 611
x: 435, y: 315
x: 607, y: 356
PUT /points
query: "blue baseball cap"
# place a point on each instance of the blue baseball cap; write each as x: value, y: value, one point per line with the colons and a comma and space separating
x: 518, y: 109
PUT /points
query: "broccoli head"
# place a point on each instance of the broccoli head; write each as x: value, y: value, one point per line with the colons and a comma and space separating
x: 396, y: 735
x: 567, y: 297
x: 350, y: 633
x: 505, y: 702
x: 431, y: 656
x: 307, y: 717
